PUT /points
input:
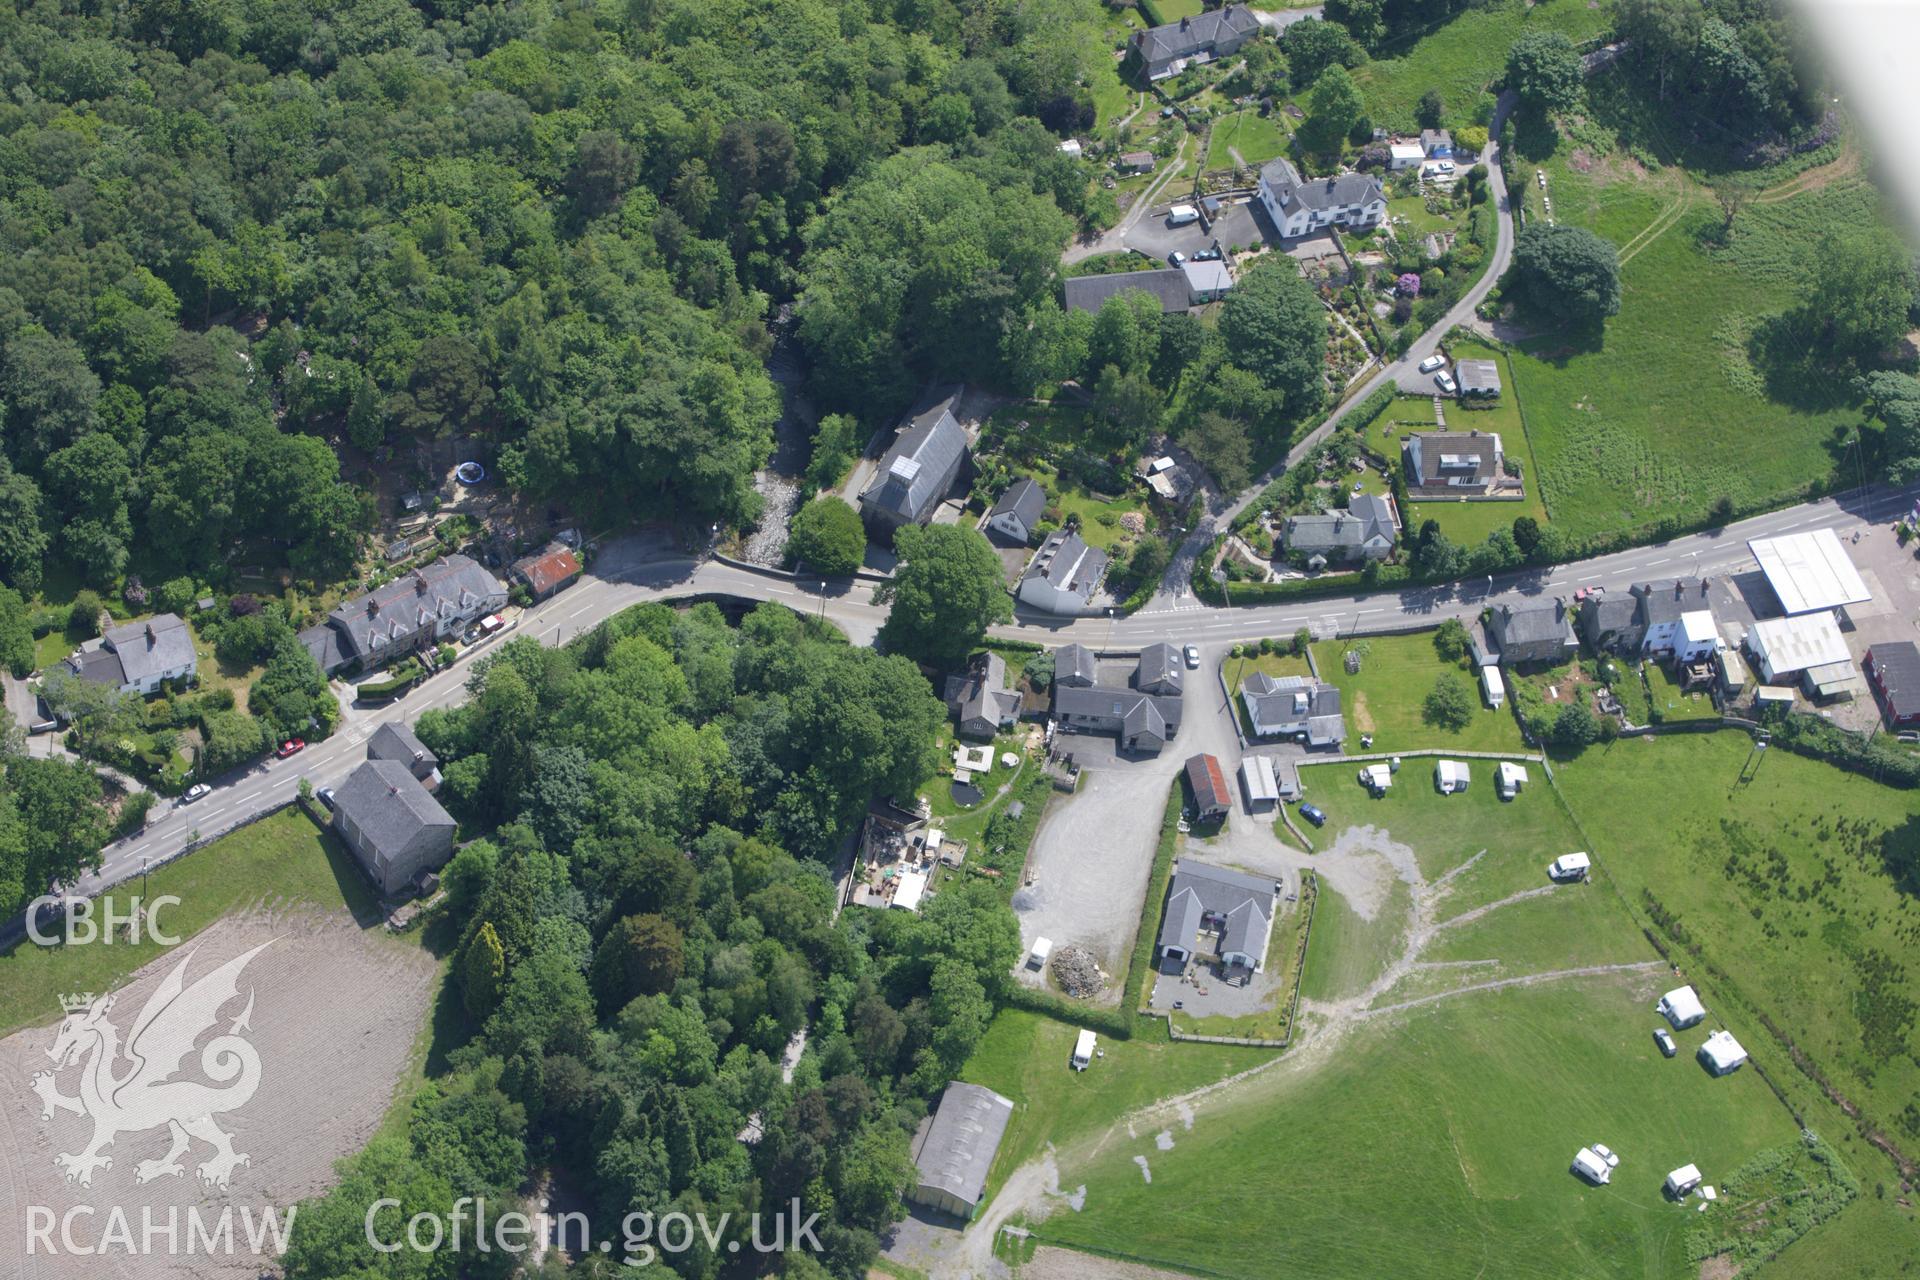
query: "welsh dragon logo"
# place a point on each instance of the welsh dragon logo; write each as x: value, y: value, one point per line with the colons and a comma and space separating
x: 132, y: 1089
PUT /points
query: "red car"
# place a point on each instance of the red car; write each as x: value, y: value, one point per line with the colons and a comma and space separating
x: 289, y: 747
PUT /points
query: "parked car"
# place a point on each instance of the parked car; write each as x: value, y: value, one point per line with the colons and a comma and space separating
x: 326, y: 797
x: 1192, y: 652
x: 1445, y: 382
x: 195, y: 792
x: 292, y: 746
x: 1207, y: 255
x: 1175, y: 258
x: 1907, y: 737
x: 1664, y: 1038
x: 1432, y: 362
x: 1312, y: 813
x: 492, y: 623
x: 1446, y: 166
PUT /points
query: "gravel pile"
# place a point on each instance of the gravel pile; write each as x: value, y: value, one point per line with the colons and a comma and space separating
x: 1077, y: 973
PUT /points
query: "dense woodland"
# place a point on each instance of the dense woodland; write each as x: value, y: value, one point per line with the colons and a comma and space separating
x: 652, y: 920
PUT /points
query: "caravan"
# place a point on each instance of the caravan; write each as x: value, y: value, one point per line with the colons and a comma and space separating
x: 1083, y: 1050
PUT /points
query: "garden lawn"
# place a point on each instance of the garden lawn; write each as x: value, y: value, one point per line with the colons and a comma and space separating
x: 1463, y: 57
x: 1669, y: 703
x: 1782, y: 888
x: 1419, y: 220
x: 1662, y: 416
x: 1436, y: 1144
x: 278, y: 861
x: 1174, y: 10
x: 1234, y: 670
x: 1257, y: 140
x: 1386, y: 697
x: 1469, y: 523
x: 1024, y: 1057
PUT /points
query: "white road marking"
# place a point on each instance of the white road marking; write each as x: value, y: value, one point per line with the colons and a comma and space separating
x: 1589, y: 578
x: 1652, y: 563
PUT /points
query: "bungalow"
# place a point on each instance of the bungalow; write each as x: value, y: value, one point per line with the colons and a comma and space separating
x: 1894, y: 669
x: 1301, y: 206
x: 1063, y: 574
x: 1169, y: 286
x: 138, y: 657
x: 1234, y: 907
x: 1292, y: 707
x: 414, y: 610
x: 1018, y: 510
x: 1167, y: 50
x: 1364, y: 531
x: 395, y: 829
x: 1136, y: 162
x: 914, y: 476
x: 1211, y: 798
x: 1541, y: 632
x: 1455, y: 461
x: 547, y: 572
x: 1479, y: 379
x: 979, y: 700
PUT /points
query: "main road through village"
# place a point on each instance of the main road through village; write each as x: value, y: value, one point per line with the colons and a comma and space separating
x: 629, y: 570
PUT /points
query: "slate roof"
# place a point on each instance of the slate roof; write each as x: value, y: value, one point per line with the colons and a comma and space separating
x: 958, y: 1147
x: 1132, y: 708
x: 410, y: 601
x: 1159, y: 664
x: 98, y: 665
x: 323, y: 642
x: 1366, y: 517
x: 145, y: 649
x: 917, y: 471
x: 1073, y: 664
x: 1276, y: 703
x: 1024, y: 499
x: 1246, y: 903
x: 1529, y: 624
x: 982, y: 693
x: 1197, y: 34
x: 1206, y: 277
x: 1479, y: 446
x: 1090, y: 293
x: 1433, y: 138
x: 1608, y: 614
x: 549, y: 570
x: 1665, y: 601
x: 1066, y: 563
x: 388, y: 804
x: 395, y: 740
x: 1896, y: 669
x: 1294, y: 193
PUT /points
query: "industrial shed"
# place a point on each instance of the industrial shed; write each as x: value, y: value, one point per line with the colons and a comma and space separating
x: 955, y: 1149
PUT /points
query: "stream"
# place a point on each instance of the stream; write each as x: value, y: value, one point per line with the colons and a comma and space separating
x: 782, y: 481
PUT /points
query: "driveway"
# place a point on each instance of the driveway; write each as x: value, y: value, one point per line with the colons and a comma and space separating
x: 1235, y: 226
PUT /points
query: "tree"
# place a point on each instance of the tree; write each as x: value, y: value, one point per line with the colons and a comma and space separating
x: 1448, y: 705
x: 1450, y: 640
x: 482, y: 971
x: 1222, y: 447
x: 1431, y: 110
x: 1312, y: 45
x: 946, y: 592
x: 1526, y: 534
x: 827, y: 537
x: 291, y: 695
x: 1567, y: 271
x: 1894, y: 398
x: 1861, y: 292
x: 641, y: 955
x: 1575, y: 726
x: 1544, y: 69
x: 23, y: 539
x: 87, y: 484
x: 1128, y: 401
x: 835, y: 445
x: 1732, y: 197
x: 1275, y: 328
x: 1333, y: 109
x: 604, y: 166
x: 16, y: 634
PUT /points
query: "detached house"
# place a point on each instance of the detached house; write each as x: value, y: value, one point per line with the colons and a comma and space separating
x: 1018, y: 510
x: 1457, y: 463
x: 1301, y: 206
x: 1364, y: 531
x: 138, y: 657
x: 1292, y: 706
x: 1233, y: 909
x: 547, y: 572
x: 980, y: 701
x: 1167, y: 50
x: 1540, y: 632
x: 1063, y: 574
x: 915, y: 474
x: 416, y: 609
x: 398, y: 832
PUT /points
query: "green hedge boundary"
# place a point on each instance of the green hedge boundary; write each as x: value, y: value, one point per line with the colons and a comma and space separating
x: 1141, y: 962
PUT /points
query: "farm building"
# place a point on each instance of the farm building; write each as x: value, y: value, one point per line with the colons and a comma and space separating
x: 1144, y: 721
x: 1160, y: 671
x: 1213, y: 900
x: 1073, y: 666
x: 1211, y: 799
x: 955, y: 1148
x: 913, y: 477
x: 1019, y: 509
x: 1894, y: 669
x: 1258, y: 781
x: 1808, y: 646
x: 1809, y: 572
x: 1451, y: 776
x: 1721, y: 1053
x: 1681, y: 1007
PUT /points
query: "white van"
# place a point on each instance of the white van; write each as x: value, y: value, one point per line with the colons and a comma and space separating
x: 1181, y: 214
x: 1042, y: 948
x: 1570, y: 866
x: 1083, y: 1051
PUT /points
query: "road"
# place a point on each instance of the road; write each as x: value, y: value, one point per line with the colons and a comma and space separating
x: 642, y: 568
x: 1175, y: 584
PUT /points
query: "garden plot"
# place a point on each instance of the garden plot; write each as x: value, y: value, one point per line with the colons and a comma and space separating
x: 331, y: 1013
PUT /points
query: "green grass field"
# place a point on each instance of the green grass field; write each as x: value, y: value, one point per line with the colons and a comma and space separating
x: 1464, y: 56
x: 1659, y: 416
x: 1783, y: 886
x: 278, y: 861
x: 1384, y: 699
x: 1257, y: 140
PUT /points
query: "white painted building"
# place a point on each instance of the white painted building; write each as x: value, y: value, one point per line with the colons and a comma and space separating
x: 1300, y: 206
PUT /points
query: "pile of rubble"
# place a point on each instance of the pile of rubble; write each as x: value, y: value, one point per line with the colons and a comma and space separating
x: 1076, y: 972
